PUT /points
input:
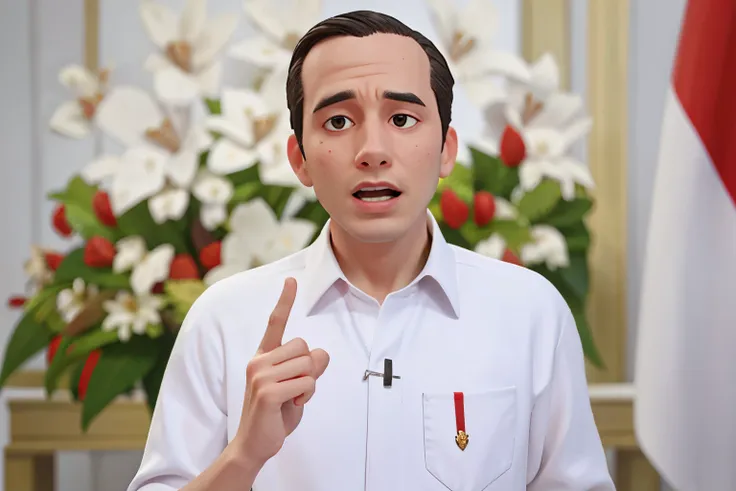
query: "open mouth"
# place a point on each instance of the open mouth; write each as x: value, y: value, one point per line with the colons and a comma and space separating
x: 376, y: 194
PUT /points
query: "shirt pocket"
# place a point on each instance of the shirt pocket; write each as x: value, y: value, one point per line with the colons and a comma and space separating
x: 490, y: 423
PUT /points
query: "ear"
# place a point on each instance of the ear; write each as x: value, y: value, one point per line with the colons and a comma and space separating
x: 296, y: 159
x: 449, y: 153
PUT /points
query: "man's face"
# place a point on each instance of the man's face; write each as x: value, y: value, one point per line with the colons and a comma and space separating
x: 371, y: 121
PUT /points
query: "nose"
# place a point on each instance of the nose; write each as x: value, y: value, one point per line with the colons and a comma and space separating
x: 373, y: 151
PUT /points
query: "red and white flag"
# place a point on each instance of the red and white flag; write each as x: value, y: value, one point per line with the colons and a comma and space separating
x: 685, y: 406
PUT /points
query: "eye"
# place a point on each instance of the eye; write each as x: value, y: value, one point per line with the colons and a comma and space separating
x: 338, y: 123
x: 403, y: 120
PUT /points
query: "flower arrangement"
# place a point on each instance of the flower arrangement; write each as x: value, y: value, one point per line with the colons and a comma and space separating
x: 201, y: 189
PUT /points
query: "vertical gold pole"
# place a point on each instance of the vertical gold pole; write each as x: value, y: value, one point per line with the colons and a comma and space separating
x: 545, y: 28
x: 608, y: 27
x: 92, y: 34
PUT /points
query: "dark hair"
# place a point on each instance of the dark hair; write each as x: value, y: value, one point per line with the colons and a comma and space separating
x: 362, y: 23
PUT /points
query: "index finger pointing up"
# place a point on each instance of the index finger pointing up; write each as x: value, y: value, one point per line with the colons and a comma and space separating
x: 274, y: 334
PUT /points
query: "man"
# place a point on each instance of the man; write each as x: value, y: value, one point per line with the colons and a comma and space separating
x: 392, y: 360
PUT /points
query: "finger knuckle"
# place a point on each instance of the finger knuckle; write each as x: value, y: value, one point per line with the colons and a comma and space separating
x: 275, y: 319
x: 301, y: 345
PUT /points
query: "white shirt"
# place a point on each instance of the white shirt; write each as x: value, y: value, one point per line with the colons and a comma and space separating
x: 499, y: 333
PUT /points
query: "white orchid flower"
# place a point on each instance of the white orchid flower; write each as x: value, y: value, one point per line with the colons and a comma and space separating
x: 257, y: 237
x: 494, y: 246
x: 246, y: 122
x: 548, y: 246
x: 129, y: 314
x: 187, y: 66
x: 148, y: 268
x: 465, y: 35
x: 38, y: 272
x: 214, y: 192
x: 74, y: 118
x: 547, y: 156
x: 281, y: 28
x: 71, y: 301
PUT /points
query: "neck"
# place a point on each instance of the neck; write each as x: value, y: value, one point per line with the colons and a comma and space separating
x: 381, y: 268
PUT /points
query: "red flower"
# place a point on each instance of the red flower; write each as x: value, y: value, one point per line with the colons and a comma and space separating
x: 60, y: 223
x: 17, y: 301
x: 53, y: 260
x: 103, y: 209
x: 484, y: 207
x: 99, y: 252
x: 53, y: 347
x: 513, y: 150
x: 210, y: 255
x: 454, y: 210
x: 183, y: 267
x: 89, y: 367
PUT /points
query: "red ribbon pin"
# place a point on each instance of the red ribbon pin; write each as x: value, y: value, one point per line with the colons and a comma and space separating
x: 462, y: 437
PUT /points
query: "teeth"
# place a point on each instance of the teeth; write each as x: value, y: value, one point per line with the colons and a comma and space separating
x: 378, y: 198
x: 373, y: 189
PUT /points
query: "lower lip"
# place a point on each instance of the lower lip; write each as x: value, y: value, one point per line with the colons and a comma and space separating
x: 376, y: 206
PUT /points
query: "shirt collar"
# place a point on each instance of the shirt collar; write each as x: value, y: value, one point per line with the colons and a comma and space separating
x: 322, y: 270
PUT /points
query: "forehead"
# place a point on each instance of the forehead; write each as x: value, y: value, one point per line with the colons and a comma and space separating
x: 372, y: 63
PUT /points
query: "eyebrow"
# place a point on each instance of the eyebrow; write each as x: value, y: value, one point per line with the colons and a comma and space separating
x: 350, y: 94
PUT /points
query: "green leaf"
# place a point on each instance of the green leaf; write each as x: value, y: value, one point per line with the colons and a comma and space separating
x: 120, y: 366
x: 460, y: 180
x: 277, y: 197
x: 576, y: 275
x: 152, y: 380
x: 213, y: 105
x: 246, y: 175
x: 473, y: 234
x: 454, y: 236
x: 85, y: 223
x: 538, y: 202
x: 315, y: 213
x: 246, y: 192
x: 59, y: 365
x: 490, y: 174
x: 182, y: 294
x: 43, y: 304
x: 28, y: 338
x: 73, y: 266
x: 568, y: 212
x: 77, y: 191
x: 75, y: 372
x: 514, y: 233
x: 92, y: 340
x: 586, y: 338
x: 577, y: 237
x: 138, y: 221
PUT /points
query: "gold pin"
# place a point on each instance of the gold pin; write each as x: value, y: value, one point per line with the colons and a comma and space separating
x: 461, y: 439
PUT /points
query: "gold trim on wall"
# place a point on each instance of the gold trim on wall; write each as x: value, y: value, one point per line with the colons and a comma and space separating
x: 545, y: 29
x: 608, y: 27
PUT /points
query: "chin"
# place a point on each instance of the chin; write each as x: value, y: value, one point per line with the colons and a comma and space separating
x: 377, y: 229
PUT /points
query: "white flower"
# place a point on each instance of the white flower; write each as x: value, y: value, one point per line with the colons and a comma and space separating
x: 465, y: 40
x: 71, y: 301
x: 280, y: 29
x: 549, y: 124
x: 148, y: 268
x: 36, y: 269
x: 131, y: 314
x: 494, y: 246
x: 214, y: 192
x: 74, y: 118
x: 548, y: 247
x: 186, y: 67
x: 257, y: 237
x: 245, y: 123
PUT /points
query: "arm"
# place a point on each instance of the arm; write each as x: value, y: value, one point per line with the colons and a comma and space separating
x: 563, y: 430
x: 187, y: 440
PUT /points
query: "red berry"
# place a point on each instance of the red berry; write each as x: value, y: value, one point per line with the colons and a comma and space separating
x: 17, y: 301
x: 510, y: 257
x: 210, y: 255
x: 183, y: 267
x: 99, y: 252
x: 60, y: 223
x: 103, y: 209
x: 454, y: 210
x: 89, y: 367
x: 53, y: 260
x: 484, y: 207
x: 513, y: 149
x: 53, y: 347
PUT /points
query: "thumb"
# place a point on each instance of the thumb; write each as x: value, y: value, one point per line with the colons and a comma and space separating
x: 321, y: 359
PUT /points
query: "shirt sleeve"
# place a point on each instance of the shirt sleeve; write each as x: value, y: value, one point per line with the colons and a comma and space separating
x: 564, y: 435
x: 188, y: 428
